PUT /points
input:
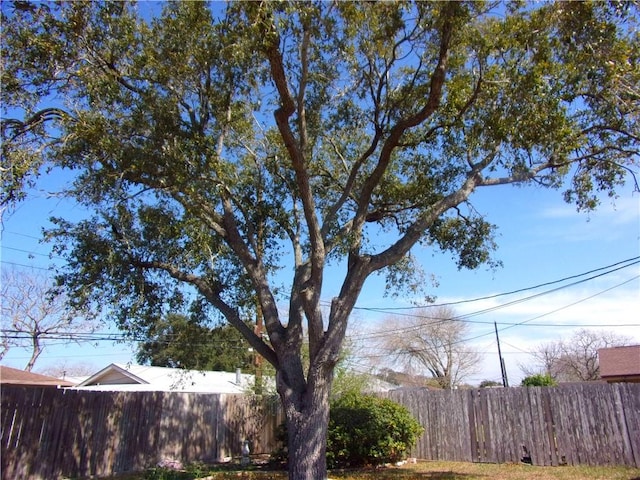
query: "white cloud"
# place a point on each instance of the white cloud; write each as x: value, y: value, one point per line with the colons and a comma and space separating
x: 554, y: 317
x: 624, y: 209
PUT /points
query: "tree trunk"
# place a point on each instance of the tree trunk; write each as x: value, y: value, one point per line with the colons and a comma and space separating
x: 307, y: 418
x: 36, y: 351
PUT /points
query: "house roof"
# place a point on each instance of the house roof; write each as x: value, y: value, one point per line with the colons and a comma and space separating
x: 14, y: 376
x: 129, y: 377
x: 619, y: 361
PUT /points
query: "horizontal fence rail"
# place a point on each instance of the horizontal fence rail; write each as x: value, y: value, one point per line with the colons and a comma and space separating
x: 48, y: 433
x: 577, y: 424
x: 51, y: 433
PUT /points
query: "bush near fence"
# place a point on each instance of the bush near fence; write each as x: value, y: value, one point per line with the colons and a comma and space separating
x: 49, y: 433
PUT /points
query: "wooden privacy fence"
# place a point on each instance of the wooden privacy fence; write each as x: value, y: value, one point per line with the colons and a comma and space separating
x: 49, y: 433
x: 578, y: 424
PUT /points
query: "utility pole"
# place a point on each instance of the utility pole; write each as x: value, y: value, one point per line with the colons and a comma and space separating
x: 503, y: 369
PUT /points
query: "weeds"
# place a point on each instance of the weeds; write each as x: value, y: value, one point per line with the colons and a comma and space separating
x: 419, y: 471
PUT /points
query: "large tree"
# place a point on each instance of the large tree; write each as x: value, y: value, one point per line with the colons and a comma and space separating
x: 232, y: 151
x: 178, y: 341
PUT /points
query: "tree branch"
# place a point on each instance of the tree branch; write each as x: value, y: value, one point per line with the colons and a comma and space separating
x: 18, y: 128
x: 212, y: 294
x: 312, y: 287
x: 390, y: 144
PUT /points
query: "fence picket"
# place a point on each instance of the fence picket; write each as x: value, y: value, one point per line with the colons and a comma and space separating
x: 48, y: 433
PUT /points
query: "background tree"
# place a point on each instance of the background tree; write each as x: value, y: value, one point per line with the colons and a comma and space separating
x: 218, y: 147
x: 64, y: 369
x: 180, y: 342
x: 431, y: 340
x: 489, y: 384
x: 574, y: 359
x: 35, y: 313
x: 539, y: 380
x: 404, y: 379
x: 546, y: 360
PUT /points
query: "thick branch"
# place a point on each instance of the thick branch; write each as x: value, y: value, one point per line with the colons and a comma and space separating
x: 398, y: 250
x: 256, y: 273
x: 351, y: 181
x: 282, y: 115
x: 18, y: 127
x: 391, y: 143
x: 212, y: 294
x: 304, y: 76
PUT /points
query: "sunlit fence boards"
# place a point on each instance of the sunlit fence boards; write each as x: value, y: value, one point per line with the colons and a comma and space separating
x: 49, y: 433
x: 577, y: 424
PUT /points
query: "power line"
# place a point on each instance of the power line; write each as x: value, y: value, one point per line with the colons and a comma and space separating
x: 465, y: 317
x: 547, y: 292
x: 491, y: 332
x: 22, y: 235
x: 15, y: 264
x: 553, y: 311
x: 119, y: 337
x: 95, y: 337
x: 31, y: 253
x: 635, y: 261
x: 574, y: 303
x: 80, y: 337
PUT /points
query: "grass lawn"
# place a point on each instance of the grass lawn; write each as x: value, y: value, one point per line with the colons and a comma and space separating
x: 419, y: 471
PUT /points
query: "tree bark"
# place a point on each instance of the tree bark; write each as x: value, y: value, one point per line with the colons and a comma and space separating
x: 36, y: 351
x: 307, y: 419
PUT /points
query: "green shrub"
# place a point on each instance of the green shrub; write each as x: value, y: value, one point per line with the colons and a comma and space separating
x: 539, y: 380
x: 363, y: 431
x: 367, y: 430
x: 162, y: 473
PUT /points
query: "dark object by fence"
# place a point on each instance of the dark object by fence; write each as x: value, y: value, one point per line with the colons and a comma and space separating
x: 49, y: 433
x: 577, y: 424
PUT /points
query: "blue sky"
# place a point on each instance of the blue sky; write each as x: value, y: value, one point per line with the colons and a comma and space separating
x: 540, y: 239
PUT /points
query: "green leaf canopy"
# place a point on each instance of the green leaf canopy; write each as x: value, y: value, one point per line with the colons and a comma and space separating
x: 226, y: 147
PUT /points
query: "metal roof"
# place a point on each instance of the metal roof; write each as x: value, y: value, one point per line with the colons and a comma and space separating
x: 129, y: 377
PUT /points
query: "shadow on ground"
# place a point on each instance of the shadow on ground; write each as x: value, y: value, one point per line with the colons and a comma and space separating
x: 266, y: 472
x: 384, y: 474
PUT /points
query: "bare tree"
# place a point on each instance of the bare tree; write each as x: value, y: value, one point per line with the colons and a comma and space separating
x: 64, y: 368
x: 432, y: 340
x: 546, y: 360
x: 33, y: 312
x: 580, y: 355
x: 575, y: 359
